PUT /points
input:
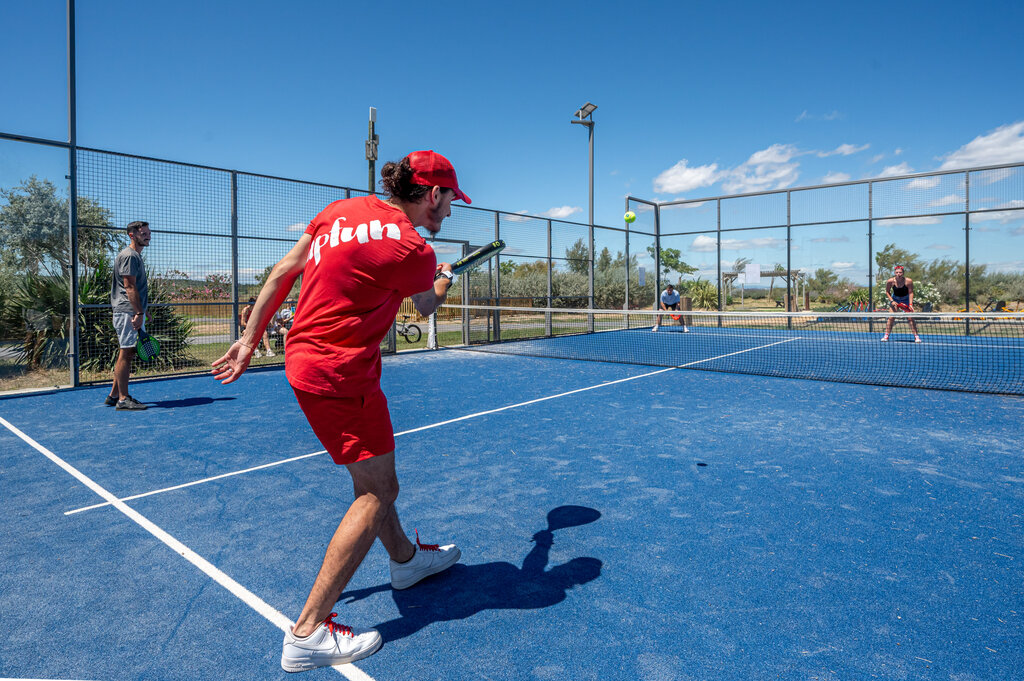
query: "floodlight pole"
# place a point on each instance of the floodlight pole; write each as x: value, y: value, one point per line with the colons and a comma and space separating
x: 371, y: 150
x: 584, y: 117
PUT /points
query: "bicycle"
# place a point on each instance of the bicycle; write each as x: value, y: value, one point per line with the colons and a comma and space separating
x: 410, y: 332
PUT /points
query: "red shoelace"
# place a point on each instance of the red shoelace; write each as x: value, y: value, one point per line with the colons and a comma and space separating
x: 426, y: 547
x: 336, y: 628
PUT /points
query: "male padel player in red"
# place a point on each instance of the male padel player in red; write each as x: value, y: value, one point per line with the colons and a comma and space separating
x: 900, y: 292
x: 359, y: 258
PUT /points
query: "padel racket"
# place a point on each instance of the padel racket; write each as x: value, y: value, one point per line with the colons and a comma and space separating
x: 676, y: 317
x: 478, y: 256
x: 147, y: 347
x: 902, y: 306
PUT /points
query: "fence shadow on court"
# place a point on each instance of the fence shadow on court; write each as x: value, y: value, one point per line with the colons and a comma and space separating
x: 465, y: 590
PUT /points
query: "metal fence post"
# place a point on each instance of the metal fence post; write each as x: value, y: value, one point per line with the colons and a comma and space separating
x: 73, y: 328
x: 718, y: 259
x: 870, y: 255
x: 967, y: 250
x: 590, y: 275
x: 497, y: 278
x: 657, y: 255
x: 626, y: 304
x: 789, y: 261
x: 235, y: 331
x: 547, y: 316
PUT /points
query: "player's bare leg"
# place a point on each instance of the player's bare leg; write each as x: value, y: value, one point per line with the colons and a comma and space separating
x: 377, y: 488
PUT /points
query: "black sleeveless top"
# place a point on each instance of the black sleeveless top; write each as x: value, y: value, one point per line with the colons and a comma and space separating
x: 901, y: 291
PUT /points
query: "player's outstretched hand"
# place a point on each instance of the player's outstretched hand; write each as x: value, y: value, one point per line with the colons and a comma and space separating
x: 233, y: 364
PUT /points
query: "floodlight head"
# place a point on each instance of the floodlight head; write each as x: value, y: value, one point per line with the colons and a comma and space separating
x: 585, y: 111
x: 373, y: 114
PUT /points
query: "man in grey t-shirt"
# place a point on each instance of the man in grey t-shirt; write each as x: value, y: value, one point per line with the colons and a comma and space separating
x: 129, y: 298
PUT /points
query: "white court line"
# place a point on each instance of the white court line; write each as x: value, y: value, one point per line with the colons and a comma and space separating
x: 197, y: 482
x: 249, y: 598
x: 421, y: 428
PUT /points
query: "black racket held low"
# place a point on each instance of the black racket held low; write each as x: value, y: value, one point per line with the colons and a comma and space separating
x: 147, y: 347
x: 478, y: 256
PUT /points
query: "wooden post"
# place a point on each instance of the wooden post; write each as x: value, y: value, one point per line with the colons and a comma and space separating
x: 807, y: 299
x: 686, y: 303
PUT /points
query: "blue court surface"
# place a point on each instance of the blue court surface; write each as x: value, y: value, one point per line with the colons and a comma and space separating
x: 617, y: 522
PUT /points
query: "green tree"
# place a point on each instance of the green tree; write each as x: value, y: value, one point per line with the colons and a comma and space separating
x: 260, y: 281
x: 578, y: 256
x: 34, y: 229
x: 890, y: 256
x: 672, y: 261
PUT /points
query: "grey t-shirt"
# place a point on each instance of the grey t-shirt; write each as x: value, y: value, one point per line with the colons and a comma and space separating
x: 128, y: 263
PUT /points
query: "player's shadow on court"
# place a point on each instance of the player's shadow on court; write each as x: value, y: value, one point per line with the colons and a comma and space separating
x: 464, y: 590
x: 187, y: 402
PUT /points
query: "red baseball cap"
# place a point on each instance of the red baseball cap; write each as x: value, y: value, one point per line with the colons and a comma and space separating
x: 434, y: 170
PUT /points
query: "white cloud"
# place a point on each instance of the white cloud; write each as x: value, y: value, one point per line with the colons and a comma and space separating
x: 518, y: 216
x: 924, y: 183
x: 830, y: 240
x: 950, y: 200
x: 770, y: 168
x: 844, y: 150
x: 877, y: 157
x: 1003, y: 145
x: 939, y: 247
x: 830, y: 116
x: 993, y: 176
x: 835, y: 177
x: 1006, y: 266
x: 892, y: 171
x: 1002, y: 216
x: 681, y: 178
x: 705, y: 244
x: 683, y: 206
x: 561, y: 212
x: 841, y: 265
x: 297, y: 227
x: 908, y: 221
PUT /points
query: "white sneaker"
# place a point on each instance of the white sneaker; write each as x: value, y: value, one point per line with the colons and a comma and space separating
x: 429, y: 559
x: 686, y: 330
x: 917, y: 339
x: 256, y: 354
x: 330, y: 644
x: 885, y: 339
x: 271, y: 353
x: 654, y: 329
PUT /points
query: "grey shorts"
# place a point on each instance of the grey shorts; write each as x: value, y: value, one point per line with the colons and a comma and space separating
x: 127, y: 336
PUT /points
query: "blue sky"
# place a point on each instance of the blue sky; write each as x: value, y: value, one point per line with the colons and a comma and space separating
x: 694, y: 99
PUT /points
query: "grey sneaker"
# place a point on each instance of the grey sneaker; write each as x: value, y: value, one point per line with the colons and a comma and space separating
x: 130, y: 404
x: 110, y: 401
x: 429, y: 559
x: 330, y: 644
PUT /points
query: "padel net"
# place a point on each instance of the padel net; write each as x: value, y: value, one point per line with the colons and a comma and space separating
x: 957, y: 351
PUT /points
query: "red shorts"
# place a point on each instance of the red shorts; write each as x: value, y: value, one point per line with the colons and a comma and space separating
x: 351, y: 429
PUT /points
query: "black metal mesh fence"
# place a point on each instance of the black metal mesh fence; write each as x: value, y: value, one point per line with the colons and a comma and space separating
x: 217, y: 233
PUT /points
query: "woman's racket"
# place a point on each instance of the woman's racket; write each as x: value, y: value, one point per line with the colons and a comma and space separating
x: 902, y: 306
x: 147, y: 347
x: 478, y: 256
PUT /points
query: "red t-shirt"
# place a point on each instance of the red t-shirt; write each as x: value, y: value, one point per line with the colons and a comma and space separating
x: 364, y: 259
